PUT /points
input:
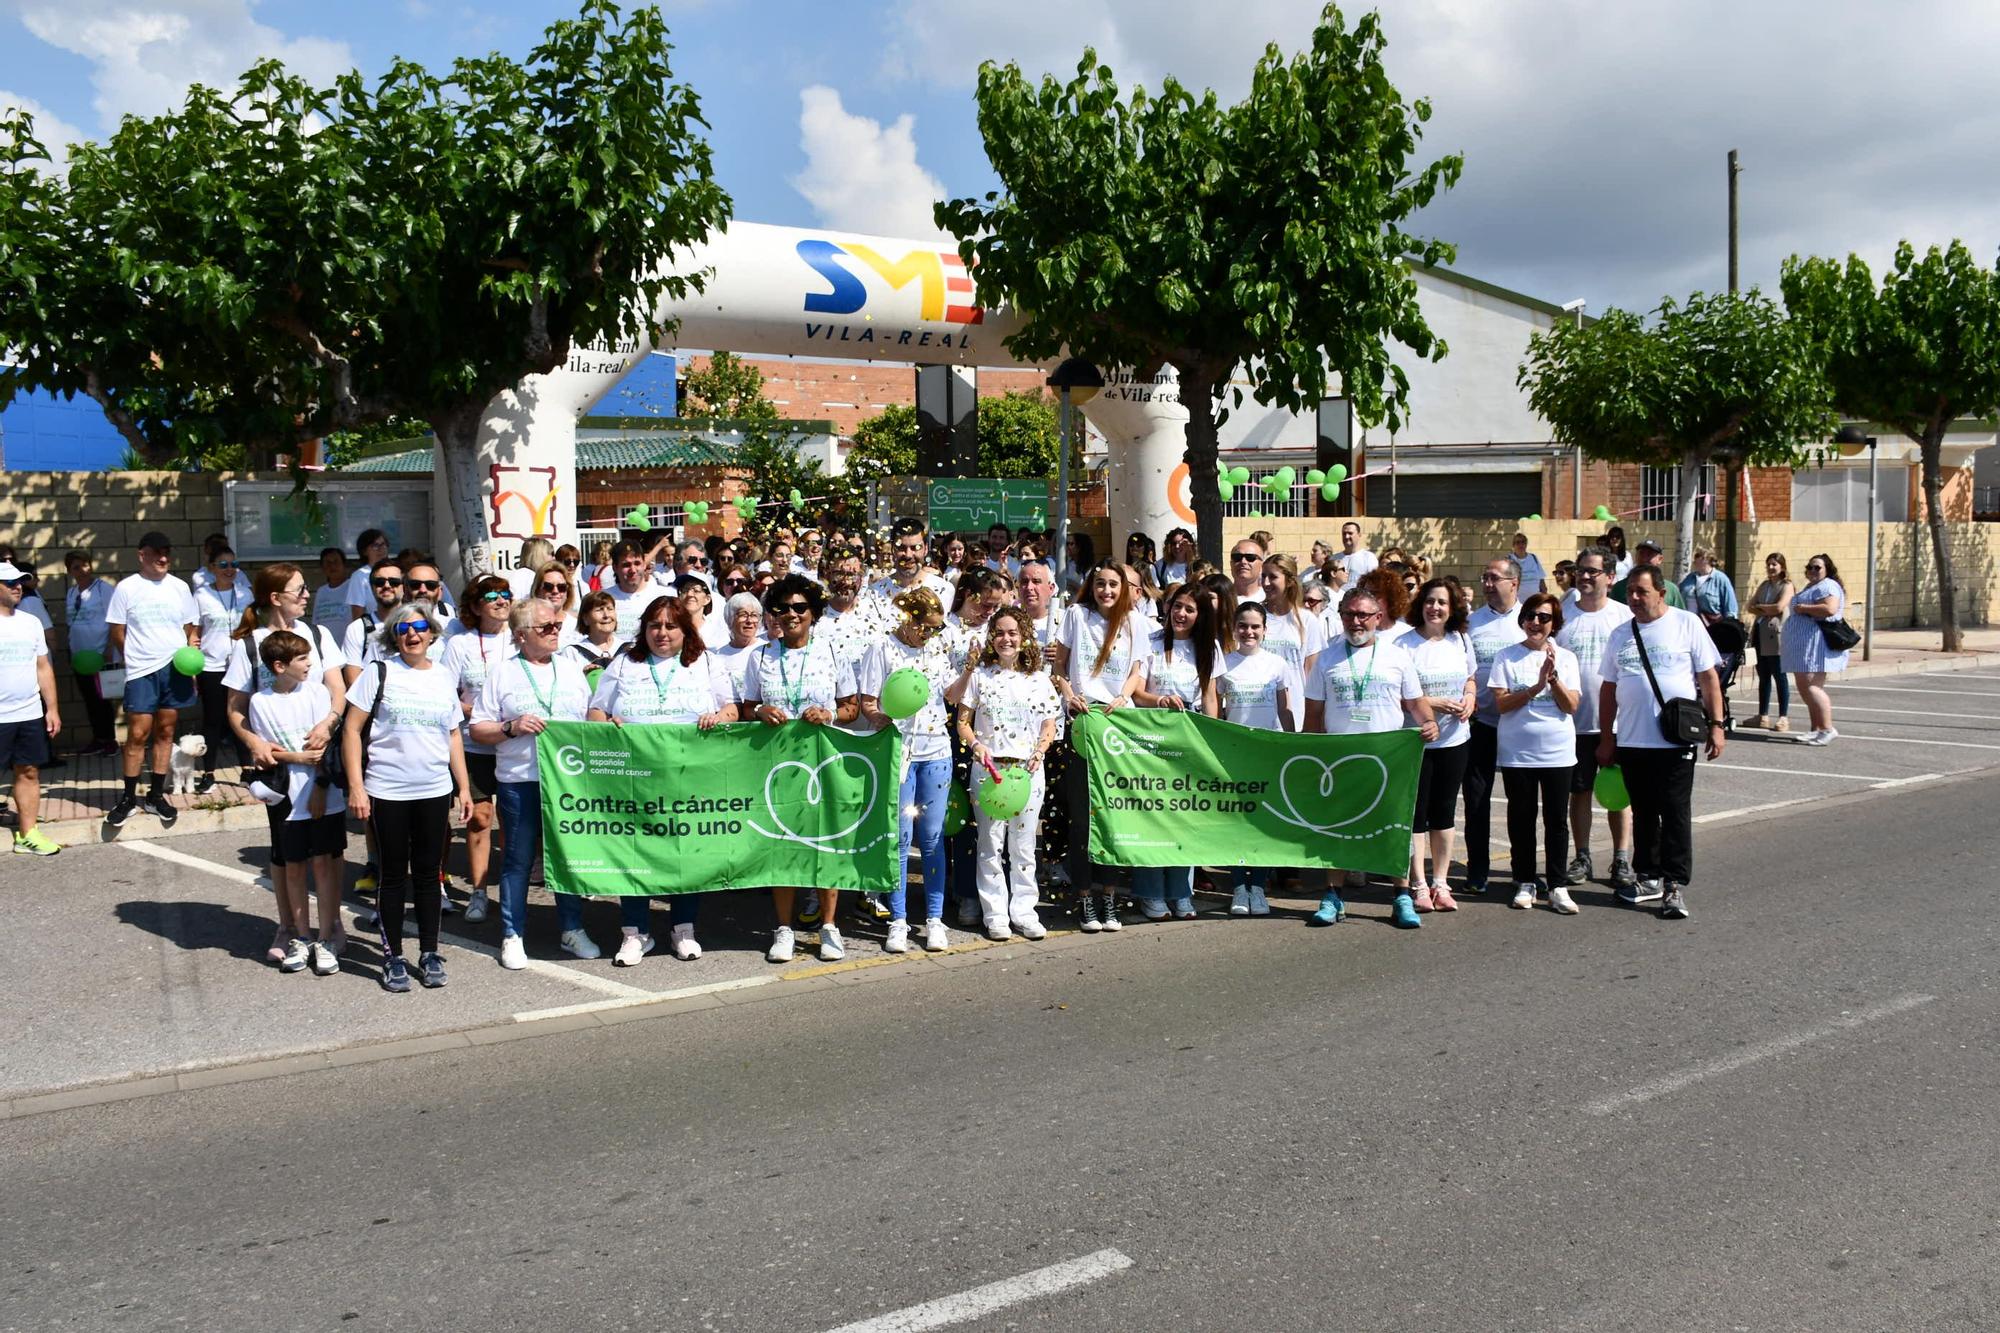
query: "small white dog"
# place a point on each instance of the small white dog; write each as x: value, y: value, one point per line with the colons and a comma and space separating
x: 182, y: 767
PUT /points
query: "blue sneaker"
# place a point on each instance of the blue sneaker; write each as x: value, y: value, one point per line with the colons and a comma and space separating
x: 395, y: 975
x: 433, y: 970
x: 1405, y: 913
x: 1260, y: 904
x: 1331, y: 909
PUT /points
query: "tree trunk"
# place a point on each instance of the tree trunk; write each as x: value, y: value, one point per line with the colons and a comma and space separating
x: 1933, y: 456
x: 1684, y: 514
x: 1198, y: 397
x: 464, y: 486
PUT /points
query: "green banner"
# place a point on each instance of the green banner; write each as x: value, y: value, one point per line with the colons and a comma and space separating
x: 974, y: 504
x: 673, y: 809
x: 1178, y: 789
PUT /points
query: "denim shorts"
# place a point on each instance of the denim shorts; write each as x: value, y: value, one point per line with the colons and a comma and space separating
x: 25, y: 744
x: 163, y: 690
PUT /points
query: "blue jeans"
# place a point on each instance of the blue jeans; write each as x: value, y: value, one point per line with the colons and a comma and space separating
x: 926, y: 785
x: 636, y: 910
x: 519, y: 806
x: 1160, y: 884
x: 1250, y: 877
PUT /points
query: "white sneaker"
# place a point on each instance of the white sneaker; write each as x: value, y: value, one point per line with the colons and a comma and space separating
x: 1560, y: 901
x: 1111, y: 921
x: 685, y: 947
x: 513, y: 953
x: 297, y: 952
x: 899, y: 938
x: 968, y: 914
x: 1524, y: 897
x: 936, y: 937
x: 1031, y: 930
x: 631, y: 949
x: 997, y: 932
x: 324, y: 962
x: 475, y: 907
x: 831, y: 950
x: 782, y: 945
x: 578, y: 944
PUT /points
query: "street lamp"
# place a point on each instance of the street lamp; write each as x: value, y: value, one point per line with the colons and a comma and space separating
x: 1851, y: 440
x: 1576, y: 470
x: 1075, y: 381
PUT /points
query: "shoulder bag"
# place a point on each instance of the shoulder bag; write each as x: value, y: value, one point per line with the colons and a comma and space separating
x: 332, y: 763
x: 1839, y: 635
x: 1681, y: 720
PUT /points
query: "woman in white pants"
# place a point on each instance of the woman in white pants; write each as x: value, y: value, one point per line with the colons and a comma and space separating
x: 1009, y: 714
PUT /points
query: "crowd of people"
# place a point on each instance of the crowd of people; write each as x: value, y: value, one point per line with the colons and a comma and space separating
x: 378, y: 697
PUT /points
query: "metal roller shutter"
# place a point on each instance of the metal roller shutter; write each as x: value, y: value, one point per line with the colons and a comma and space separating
x: 1506, y: 495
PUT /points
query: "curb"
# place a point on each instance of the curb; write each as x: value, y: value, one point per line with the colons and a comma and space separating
x: 145, y: 828
x: 1916, y: 666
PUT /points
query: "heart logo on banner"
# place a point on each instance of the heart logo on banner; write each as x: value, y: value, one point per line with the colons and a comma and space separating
x: 1307, y: 783
x: 801, y: 784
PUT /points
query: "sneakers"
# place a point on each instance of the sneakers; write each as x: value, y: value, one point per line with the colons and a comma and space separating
x: 1153, y: 909
x: 1622, y: 876
x: 325, y: 961
x: 1579, y: 870
x: 370, y: 878
x: 1475, y: 887
x: 1822, y: 737
x: 1441, y: 899
x: 685, y: 946
x: 936, y: 938
x: 116, y: 816
x: 1560, y: 902
x: 631, y: 949
x: 35, y: 843
x: 395, y: 975
x: 1524, y: 896
x: 1331, y: 910
x: 809, y: 908
x: 1239, y: 901
x: 1641, y: 891
x: 297, y: 953
x: 476, y: 907
x: 1108, y: 912
x: 998, y: 932
x: 158, y: 806
x: 1086, y: 912
x: 430, y: 970
x: 1183, y: 909
x: 578, y: 944
x: 969, y: 917
x: 1404, y: 913
x: 513, y: 953
x: 445, y: 905
x: 204, y: 784
x: 1260, y: 903
x: 782, y: 947
x: 1420, y: 897
x: 1030, y: 929
x: 1674, y: 905
x: 876, y: 905
x: 898, y: 940
x: 831, y: 949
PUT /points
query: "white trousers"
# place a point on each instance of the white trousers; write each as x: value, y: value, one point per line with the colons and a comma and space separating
x: 1007, y: 890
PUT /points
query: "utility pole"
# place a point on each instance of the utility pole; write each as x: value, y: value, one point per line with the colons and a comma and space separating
x: 1733, y: 471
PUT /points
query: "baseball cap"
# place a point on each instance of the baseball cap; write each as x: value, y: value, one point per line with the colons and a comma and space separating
x: 9, y: 571
x: 1649, y: 544
x: 155, y: 540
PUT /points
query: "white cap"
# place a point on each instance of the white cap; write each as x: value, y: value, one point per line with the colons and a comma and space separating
x: 265, y: 794
x: 8, y: 572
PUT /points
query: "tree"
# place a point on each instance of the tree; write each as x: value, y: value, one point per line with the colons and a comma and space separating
x: 726, y: 386
x: 1018, y: 436
x: 1724, y: 372
x: 1169, y: 230
x: 1914, y: 355
x: 731, y: 389
x: 285, y: 262
x: 885, y: 445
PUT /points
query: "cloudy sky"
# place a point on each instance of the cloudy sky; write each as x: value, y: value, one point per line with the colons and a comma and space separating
x: 1594, y: 131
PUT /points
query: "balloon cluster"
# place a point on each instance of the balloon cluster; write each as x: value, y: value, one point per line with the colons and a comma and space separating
x: 1280, y: 484
x: 696, y: 511
x: 746, y: 507
x: 1603, y: 514
x: 638, y: 519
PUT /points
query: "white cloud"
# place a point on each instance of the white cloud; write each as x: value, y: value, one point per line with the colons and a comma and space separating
x: 144, y: 57
x: 55, y: 133
x: 861, y: 175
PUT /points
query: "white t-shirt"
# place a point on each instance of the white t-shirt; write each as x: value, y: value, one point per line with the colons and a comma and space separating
x: 1490, y: 631
x: 86, y: 607
x: 736, y: 661
x: 848, y: 633
x: 360, y: 595
x: 1256, y: 594
x: 472, y: 656
x: 1249, y: 686
x: 553, y: 691
x: 1082, y: 634
x: 632, y: 606
x: 409, y: 748
x: 329, y: 604
x: 326, y: 656
x: 1678, y: 646
x: 286, y: 720
x: 656, y: 691
x: 923, y: 731
x: 1538, y: 734
x: 21, y: 645
x: 1298, y: 638
x: 886, y: 590
x: 1359, y: 562
x: 1178, y: 675
x: 1363, y: 689
x: 1008, y: 709
x: 221, y: 611
x: 796, y: 679
x: 962, y: 641
x: 155, y: 614
x: 1585, y: 633
x: 1443, y: 666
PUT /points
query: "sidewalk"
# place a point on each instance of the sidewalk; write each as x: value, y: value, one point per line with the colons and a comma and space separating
x: 1898, y: 651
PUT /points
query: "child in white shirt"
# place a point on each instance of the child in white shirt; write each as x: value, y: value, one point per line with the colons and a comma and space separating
x: 308, y: 819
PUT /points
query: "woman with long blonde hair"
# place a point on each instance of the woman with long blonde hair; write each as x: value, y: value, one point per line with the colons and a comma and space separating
x: 1092, y: 658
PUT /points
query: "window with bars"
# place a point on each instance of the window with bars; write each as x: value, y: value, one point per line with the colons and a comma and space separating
x: 1660, y: 494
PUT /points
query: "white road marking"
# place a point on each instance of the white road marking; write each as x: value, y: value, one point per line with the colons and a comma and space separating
x: 1740, y: 811
x: 646, y: 997
x: 1906, y: 713
x: 982, y: 1301
x: 1750, y: 1055
x: 1902, y: 740
x: 1788, y: 772
x: 541, y: 967
x: 1904, y: 689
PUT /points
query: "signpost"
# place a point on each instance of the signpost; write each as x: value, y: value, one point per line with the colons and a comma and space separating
x: 974, y: 504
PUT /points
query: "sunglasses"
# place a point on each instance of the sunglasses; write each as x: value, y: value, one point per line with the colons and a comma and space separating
x: 1359, y: 615
x: 552, y: 587
x: 225, y: 564
x: 697, y: 562
x: 549, y: 627
x: 385, y: 583
x: 571, y: 564
x: 791, y: 608
x: 431, y: 585
x: 496, y: 595
x: 413, y: 627
x: 1539, y: 618
x: 1244, y: 557
x: 734, y: 583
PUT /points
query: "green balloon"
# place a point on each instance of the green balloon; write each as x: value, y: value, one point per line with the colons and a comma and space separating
x: 1602, y: 514
x: 1255, y: 513
x: 86, y: 661
x: 1225, y: 489
x: 1330, y: 491
x: 957, y: 809
x: 696, y: 511
x: 637, y: 518
x: 1338, y: 472
x: 1239, y: 475
x: 905, y: 692
x: 1610, y: 787
x: 797, y: 497
x: 1314, y: 477
x: 1007, y: 797
x: 1287, y: 475
x: 188, y: 660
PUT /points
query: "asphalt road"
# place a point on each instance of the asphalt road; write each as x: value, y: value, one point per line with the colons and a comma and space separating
x: 1777, y: 1115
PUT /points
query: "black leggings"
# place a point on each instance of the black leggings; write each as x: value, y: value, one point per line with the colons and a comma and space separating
x: 215, y: 728
x: 410, y: 838
x: 102, y: 712
x: 1524, y: 787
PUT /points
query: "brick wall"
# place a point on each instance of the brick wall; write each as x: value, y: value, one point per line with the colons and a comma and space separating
x: 848, y: 393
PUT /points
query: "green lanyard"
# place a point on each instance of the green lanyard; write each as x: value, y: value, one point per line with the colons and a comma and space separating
x: 659, y: 689
x: 793, y: 693
x: 1361, y: 683
x: 548, y: 701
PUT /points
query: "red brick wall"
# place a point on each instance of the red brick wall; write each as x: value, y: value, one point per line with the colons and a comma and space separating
x: 1616, y: 486
x: 847, y: 393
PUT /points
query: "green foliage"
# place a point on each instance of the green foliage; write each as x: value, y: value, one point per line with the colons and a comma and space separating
x: 1915, y: 354
x: 1166, y: 229
x: 350, y: 446
x: 1018, y: 436
x: 885, y: 445
x: 726, y: 386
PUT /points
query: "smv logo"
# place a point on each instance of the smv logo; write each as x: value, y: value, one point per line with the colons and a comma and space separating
x: 944, y: 288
